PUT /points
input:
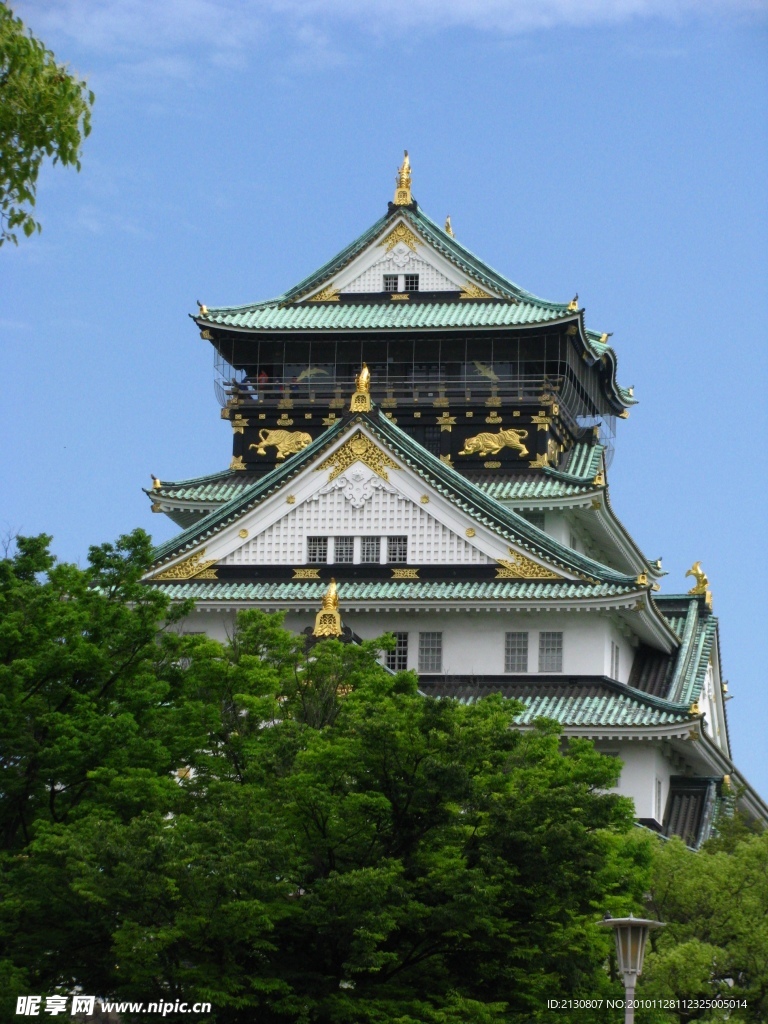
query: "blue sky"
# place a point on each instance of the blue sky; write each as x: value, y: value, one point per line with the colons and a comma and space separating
x: 618, y: 148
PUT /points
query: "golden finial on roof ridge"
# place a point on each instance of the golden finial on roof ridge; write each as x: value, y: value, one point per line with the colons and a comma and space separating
x: 573, y: 305
x: 701, y: 587
x: 361, y: 400
x: 203, y: 308
x: 156, y: 484
x: 448, y: 229
x: 328, y: 620
x: 331, y: 597
x: 403, y: 182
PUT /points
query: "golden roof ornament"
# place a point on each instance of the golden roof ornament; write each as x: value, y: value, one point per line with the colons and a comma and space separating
x: 156, y: 484
x: 448, y: 229
x: 203, y: 308
x: 403, y: 183
x: 361, y: 400
x: 573, y: 305
x: 701, y: 587
x: 328, y: 620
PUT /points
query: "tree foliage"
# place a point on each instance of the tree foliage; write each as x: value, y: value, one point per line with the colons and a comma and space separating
x: 715, y: 944
x: 291, y: 836
x: 45, y: 111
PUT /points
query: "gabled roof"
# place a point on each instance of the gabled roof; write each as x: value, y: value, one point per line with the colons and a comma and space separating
x: 442, y: 477
x: 505, y: 304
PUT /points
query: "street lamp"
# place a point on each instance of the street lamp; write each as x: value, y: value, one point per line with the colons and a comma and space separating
x: 631, y: 934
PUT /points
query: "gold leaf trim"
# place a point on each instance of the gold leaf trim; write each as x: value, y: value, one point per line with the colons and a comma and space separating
x: 473, y: 291
x: 306, y: 574
x: 192, y: 566
x: 400, y: 233
x: 358, y: 449
x: 329, y: 294
x: 405, y: 574
x: 523, y: 568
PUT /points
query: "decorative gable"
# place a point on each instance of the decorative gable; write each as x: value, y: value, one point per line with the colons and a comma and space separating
x: 357, y: 503
x: 400, y: 251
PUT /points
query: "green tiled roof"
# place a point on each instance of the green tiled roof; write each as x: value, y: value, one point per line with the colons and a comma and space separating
x: 311, y: 591
x: 595, y: 704
x: 697, y: 629
x: 445, y: 244
x: 382, y: 316
x: 576, y: 477
x: 524, y: 487
x: 213, y: 489
x: 516, y: 307
x: 461, y: 492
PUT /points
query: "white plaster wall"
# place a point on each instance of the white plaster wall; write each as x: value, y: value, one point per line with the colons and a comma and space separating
x: 329, y: 515
x: 644, y: 764
x: 473, y: 643
x: 557, y: 526
x: 372, y: 279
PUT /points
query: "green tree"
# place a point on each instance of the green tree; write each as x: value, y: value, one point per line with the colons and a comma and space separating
x: 45, y: 111
x: 715, y: 944
x: 290, y: 835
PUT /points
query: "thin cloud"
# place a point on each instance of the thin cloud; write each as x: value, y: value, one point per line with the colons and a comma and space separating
x: 170, y: 39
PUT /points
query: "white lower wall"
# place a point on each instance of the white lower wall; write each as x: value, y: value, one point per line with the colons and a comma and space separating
x: 644, y: 777
x: 473, y: 642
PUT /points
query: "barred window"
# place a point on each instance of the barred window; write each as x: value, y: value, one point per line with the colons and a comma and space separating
x: 397, y: 549
x: 317, y: 549
x: 397, y: 659
x: 390, y: 282
x: 369, y: 549
x: 411, y: 282
x: 430, y: 652
x: 515, y: 652
x: 432, y: 439
x: 550, y: 652
x: 344, y: 549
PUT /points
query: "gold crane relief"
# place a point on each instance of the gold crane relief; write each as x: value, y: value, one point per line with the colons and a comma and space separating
x: 491, y: 444
x: 287, y: 442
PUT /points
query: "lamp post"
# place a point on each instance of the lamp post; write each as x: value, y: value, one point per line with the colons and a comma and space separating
x: 631, y: 934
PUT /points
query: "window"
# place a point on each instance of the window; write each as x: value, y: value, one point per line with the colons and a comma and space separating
x: 515, y: 652
x: 430, y: 652
x: 614, y: 660
x: 317, y: 549
x: 432, y: 439
x: 344, y: 549
x: 411, y: 282
x: 369, y: 549
x: 397, y: 660
x: 390, y: 282
x: 550, y: 652
x: 397, y: 549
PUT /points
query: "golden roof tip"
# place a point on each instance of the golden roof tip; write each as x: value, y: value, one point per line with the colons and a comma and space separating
x: 361, y: 399
x: 573, y: 305
x: 156, y: 484
x: 203, y: 308
x: 448, y: 229
x: 403, y: 182
x: 328, y: 620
